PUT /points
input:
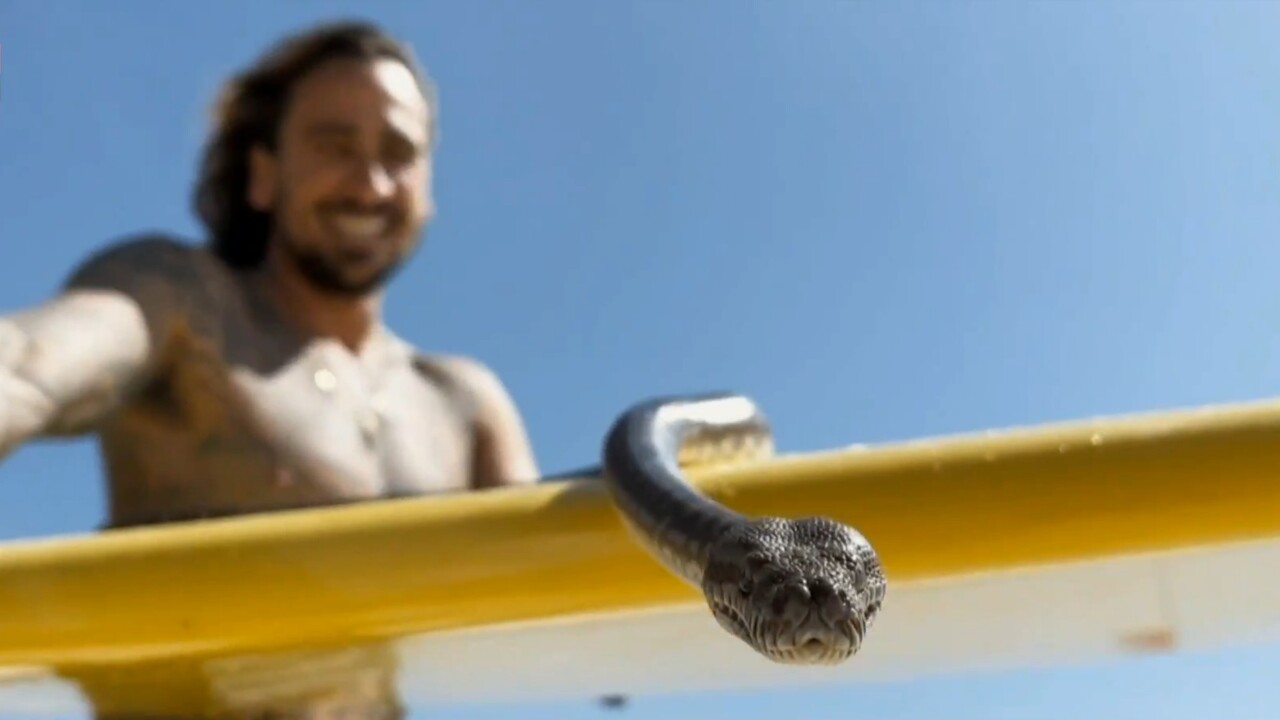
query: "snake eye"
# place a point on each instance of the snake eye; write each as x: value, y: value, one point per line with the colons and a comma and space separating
x: 744, y: 586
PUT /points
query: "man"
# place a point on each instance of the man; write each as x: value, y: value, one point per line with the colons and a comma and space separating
x: 256, y: 374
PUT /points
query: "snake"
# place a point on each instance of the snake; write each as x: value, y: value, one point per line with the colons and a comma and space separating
x: 799, y: 591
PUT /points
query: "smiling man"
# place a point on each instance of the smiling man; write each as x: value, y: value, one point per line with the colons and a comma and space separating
x: 255, y: 373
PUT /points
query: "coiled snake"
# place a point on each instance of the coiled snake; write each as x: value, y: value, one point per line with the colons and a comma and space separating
x: 800, y: 591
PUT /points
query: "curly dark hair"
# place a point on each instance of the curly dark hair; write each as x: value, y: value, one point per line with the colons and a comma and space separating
x: 248, y: 112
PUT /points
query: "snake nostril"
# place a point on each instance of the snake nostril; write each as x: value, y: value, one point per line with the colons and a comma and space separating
x: 821, y: 587
x: 791, y: 602
x: 800, y: 592
x: 835, y: 609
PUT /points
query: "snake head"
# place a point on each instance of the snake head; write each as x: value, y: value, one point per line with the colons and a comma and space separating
x: 798, y: 591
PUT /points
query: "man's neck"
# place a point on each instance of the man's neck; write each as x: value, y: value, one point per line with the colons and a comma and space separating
x: 314, y: 313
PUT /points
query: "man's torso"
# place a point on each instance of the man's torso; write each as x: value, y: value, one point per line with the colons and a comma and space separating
x: 238, y: 417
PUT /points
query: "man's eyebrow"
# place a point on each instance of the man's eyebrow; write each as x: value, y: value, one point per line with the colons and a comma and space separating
x: 398, y: 135
x: 330, y: 127
x: 393, y: 133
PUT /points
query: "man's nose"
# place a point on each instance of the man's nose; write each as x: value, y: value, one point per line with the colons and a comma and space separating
x: 372, y: 183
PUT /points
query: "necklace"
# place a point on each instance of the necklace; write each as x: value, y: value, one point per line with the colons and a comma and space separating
x: 335, y: 366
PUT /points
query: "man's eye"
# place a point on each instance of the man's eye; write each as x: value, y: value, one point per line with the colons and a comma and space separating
x: 335, y: 148
x: 402, y: 154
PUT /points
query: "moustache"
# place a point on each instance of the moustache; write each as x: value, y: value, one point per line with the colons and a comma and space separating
x: 388, y: 210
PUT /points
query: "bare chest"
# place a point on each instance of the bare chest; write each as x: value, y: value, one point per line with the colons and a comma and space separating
x: 374, y: 431
x: 221, y: 435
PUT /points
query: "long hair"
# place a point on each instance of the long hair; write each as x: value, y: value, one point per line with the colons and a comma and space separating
x: 248, y: 112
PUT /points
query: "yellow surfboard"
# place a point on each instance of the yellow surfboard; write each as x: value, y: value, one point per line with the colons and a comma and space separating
x: 1062, y: 543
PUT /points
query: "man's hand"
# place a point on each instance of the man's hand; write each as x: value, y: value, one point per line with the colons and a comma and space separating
x: 25, y: 408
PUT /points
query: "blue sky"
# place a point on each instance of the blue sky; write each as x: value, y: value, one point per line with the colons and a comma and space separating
x: 882, y: 220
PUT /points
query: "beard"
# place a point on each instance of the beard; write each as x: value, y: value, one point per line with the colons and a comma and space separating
x: 332, y: 274
x: 328, y: 274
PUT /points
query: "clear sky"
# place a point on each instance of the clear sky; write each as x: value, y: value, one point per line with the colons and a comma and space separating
x: 882, y: 220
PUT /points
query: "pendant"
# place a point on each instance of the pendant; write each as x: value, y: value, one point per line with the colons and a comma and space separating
x: 325, y: 380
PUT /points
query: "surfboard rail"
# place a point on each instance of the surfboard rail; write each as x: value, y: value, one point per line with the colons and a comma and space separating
x: 936, y: 509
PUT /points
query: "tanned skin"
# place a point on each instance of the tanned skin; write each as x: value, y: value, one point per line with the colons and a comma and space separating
x: 220, y: 392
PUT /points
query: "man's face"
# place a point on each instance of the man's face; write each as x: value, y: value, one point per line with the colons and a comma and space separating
x: 350, y: 185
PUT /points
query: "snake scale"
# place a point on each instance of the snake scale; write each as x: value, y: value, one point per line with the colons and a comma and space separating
x: 798, y: 591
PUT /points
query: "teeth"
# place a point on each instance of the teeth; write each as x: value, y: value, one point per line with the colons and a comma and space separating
x: 360, y: 226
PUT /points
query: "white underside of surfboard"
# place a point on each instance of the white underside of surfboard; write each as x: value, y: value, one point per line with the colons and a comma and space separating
x: 1062, y: 614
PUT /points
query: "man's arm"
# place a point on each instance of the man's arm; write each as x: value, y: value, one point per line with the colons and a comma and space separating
x: 65, y: 363
x: 68, y: 362
x: 503, y: 452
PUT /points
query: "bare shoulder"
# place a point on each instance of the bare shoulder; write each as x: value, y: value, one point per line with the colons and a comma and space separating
x: 504, y: 455
x: 469, y: 383
x: 160, y: 273
x: 463, y: 373
x: 140, y: 260
x: 72, y: 359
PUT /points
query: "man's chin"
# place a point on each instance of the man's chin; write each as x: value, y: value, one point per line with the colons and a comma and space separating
x: 345, y: 281
x: 352, y: 286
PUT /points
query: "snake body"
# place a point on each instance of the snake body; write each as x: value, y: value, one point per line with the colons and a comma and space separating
x: 798, y: 591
